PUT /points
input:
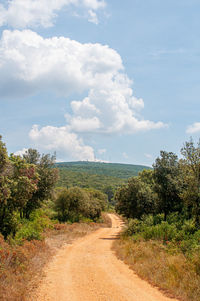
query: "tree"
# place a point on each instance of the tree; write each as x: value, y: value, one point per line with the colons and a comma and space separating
x: 48, y: 176
x: 95, y: 203
x: 191, y: 171
x: 69, y: 204
x: 24, y: 183
x: 167, y: 186
x: 134, y: 199
x: 110, y: 192
x: 6, y: 223
x: 5, y: 171
x: 32, y: 156
x: 74, y: 203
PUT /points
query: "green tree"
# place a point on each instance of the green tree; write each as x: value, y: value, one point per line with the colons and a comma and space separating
x: 32, y: 156
x: 134, y: 199
x: 167, y: 186
x: 74, y: 203
x: 24, y: 183
x: 6, y: 211
x: 48, y: 176
x: 109, y: 190
x: 191, y: 172
x: 70, y: 203
x: 5, y: 171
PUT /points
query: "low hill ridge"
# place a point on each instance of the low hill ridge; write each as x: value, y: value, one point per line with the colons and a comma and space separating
x: 117, y: 170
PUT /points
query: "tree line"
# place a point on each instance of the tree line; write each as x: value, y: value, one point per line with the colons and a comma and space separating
x: 173, y: 185
x: 28, y: 183
x: 25, y: 182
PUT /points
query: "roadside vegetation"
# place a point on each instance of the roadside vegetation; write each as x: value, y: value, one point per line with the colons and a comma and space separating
x: 161, y: 241
x: 21, y: 265
x: 36, y: 218
x: 161, y: 207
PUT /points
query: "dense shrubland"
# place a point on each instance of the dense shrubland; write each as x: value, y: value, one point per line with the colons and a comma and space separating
x: 162, y: 237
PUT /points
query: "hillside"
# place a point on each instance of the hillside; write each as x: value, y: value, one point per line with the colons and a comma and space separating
x: 117, y: 170
x: 96, y: 174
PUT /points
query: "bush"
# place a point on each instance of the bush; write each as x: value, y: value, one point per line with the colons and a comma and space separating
x: 163, y: 231
x: 74, y: 204
x: 33, y: 228
x: 29, y: 232
x: 134, y: 227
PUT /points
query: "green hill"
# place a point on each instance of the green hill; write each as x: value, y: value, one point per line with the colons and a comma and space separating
x: 118, y: 170
x: 96, y: 175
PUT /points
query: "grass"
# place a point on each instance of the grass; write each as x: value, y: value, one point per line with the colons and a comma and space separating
x: 151, y: 260
x: 21, y: 265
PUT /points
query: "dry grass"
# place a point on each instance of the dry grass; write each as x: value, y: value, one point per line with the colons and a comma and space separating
x: 172, y: 273
x: 21, y: 266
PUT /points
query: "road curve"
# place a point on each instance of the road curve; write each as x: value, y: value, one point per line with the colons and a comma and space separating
x: 88, y: 270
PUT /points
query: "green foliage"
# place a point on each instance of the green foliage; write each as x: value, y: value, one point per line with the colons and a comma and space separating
x: 106, y: 177
x: 191, y: 178
x: 47, y: 178
x: 69, y: 178
x: 122, y: 171
x: 24, y: 182
x: 24, y: 185
x: 179, y: 235
x: 167, y: 186
x: 134, y: 199
x: 74, y: 204
x: 163, y: 231
x: 32, y: 228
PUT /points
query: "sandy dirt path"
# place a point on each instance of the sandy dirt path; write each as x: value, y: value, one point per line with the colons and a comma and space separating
x: 88, y: 270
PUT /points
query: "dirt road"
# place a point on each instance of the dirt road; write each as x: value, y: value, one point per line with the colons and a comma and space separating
x: 88, y: 270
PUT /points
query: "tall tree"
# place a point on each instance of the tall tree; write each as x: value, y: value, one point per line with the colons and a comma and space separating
x: 191, y: 193
x: 166, y: 177
x: 48, y: 176
x: 6, y: 225
x: 24, y: 183
x: 134, y: 199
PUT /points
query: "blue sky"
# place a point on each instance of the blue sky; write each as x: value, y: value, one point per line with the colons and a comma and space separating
x: 62, y: 89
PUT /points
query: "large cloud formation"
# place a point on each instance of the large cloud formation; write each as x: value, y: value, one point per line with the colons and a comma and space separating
x: 32, y: 13
x: 30, y: 64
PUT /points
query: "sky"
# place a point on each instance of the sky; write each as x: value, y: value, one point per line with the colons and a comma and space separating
x: 99, y: 80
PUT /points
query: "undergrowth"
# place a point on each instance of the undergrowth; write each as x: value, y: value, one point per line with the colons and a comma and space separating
x: 22, y: 258
x: 167, y: 254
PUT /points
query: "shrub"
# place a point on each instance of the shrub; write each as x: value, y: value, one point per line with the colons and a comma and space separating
x: 33, y: 228
x: 163, y: 231
x: 75, y: 203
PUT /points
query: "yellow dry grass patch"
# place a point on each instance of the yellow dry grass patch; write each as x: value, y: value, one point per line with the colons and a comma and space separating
x: 171, y: 272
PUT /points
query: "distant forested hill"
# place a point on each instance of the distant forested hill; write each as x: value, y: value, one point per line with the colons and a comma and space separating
x: 96, y: 174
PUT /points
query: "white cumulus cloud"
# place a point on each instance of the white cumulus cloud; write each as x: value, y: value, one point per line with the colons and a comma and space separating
x: 60, y: 139
x: 30, y: 64
x: 194, y: 128
x: 31, y: 13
